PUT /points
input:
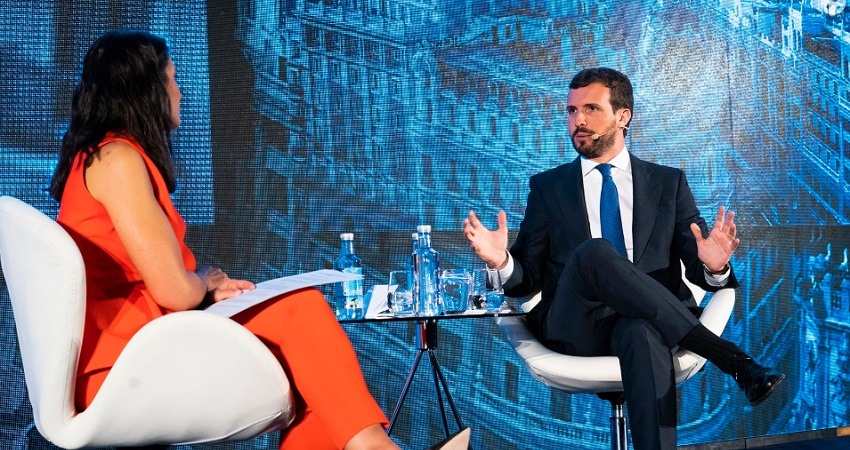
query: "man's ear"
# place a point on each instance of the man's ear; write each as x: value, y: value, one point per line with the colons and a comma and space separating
x: 624, y: 116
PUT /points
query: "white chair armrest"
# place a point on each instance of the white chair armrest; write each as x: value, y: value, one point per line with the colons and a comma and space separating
x: 602, y: 373
x: 565, y: 372
x: 187, y: 364
x: 718, y: 311
x: 528, y: 302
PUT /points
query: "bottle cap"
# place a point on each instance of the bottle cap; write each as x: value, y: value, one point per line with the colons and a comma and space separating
x: 424, y: 228
x: 414, y: 236
x: 346, y: 236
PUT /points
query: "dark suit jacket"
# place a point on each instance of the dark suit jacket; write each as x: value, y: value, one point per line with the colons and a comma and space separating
x: 556, y: 222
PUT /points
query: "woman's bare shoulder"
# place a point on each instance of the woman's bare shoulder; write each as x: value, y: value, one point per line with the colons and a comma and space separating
x: 115, y: 165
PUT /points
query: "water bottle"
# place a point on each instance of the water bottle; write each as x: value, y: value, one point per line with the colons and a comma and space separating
x: 414, y: 244
x: 348, y: 295
x: 426, y: 275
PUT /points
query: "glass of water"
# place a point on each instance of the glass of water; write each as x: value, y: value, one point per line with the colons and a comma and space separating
x: 400, y: 293
x: 454, y: 289
x: 486, y: 291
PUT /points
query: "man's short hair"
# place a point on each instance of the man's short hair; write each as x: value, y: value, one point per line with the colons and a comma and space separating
x: 621, y: 87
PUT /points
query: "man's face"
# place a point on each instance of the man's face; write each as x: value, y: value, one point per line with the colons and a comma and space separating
x: 589, y: 110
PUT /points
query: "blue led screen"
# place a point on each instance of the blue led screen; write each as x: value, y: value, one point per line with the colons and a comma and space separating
x: 306, y: 118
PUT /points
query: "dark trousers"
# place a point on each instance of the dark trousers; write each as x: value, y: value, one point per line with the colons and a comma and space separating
x: 604, y: 305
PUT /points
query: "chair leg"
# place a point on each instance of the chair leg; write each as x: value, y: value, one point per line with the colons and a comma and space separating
x: 618, y: 420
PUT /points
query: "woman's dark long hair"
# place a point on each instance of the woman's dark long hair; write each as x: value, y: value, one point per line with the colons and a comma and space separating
x: 122, y: 89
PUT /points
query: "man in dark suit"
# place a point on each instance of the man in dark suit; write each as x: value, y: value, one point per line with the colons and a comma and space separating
x: 602, y: 240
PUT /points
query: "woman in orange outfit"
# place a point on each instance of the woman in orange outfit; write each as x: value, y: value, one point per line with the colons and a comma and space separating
x: 113, y: 182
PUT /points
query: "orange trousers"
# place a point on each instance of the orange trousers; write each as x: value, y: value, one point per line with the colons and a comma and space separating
x: 332, y: 400
x: 335, y: 404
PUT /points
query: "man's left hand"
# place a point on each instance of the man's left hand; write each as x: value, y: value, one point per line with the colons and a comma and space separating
x: 715, y: 250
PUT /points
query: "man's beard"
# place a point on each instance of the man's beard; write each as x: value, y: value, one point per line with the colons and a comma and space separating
x: 594, y: 148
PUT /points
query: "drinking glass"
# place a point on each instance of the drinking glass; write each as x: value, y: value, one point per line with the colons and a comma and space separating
x: 478, y: 290
x: 400, y: 293
x: 486, y: 292
x: 495, y: 291
x: 454, y: 289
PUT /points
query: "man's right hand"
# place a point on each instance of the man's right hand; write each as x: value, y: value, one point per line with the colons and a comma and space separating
x: 490, y: 245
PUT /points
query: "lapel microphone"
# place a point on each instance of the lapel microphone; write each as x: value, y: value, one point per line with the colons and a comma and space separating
x: 596, y: 136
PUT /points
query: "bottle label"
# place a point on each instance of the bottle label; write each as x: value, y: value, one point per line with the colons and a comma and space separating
x: 353, y: 290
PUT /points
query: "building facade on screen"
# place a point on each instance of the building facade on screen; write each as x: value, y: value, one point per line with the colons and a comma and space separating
x: 419, y: 110
x: 375, y: 116
x: 43, y: 44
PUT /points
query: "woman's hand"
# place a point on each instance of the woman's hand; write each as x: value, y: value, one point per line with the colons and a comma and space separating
x: 220, y: 286
x: 212, y: 277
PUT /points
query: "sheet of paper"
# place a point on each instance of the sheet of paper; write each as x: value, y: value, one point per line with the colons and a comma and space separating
x: 378, y: 302
x: 272, y: 288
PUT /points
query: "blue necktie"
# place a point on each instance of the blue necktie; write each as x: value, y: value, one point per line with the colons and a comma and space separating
x: 609, y: 211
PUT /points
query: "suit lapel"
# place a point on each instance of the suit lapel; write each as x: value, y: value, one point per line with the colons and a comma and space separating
x: 647, y: 194
x: 569, y: 191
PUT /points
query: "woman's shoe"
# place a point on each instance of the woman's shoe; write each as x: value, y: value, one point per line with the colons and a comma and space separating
x: 457, y: 441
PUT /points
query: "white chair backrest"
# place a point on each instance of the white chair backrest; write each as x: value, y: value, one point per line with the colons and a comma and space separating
x: 46, y: 280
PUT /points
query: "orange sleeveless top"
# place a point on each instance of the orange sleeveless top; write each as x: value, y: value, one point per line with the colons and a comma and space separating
x: 118, y: 303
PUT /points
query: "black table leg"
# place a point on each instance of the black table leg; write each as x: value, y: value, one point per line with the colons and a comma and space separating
x: 436, y: 368
x: 427, y: 342
x: 404, y: 390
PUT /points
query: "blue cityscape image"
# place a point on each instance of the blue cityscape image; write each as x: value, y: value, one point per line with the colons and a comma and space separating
x: 304, y: 119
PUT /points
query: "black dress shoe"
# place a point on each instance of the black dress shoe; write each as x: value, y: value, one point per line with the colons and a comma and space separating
x: 756, y: 380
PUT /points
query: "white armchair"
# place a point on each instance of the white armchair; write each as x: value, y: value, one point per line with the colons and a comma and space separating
x: 601, y: 374
x: 187, y: 377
